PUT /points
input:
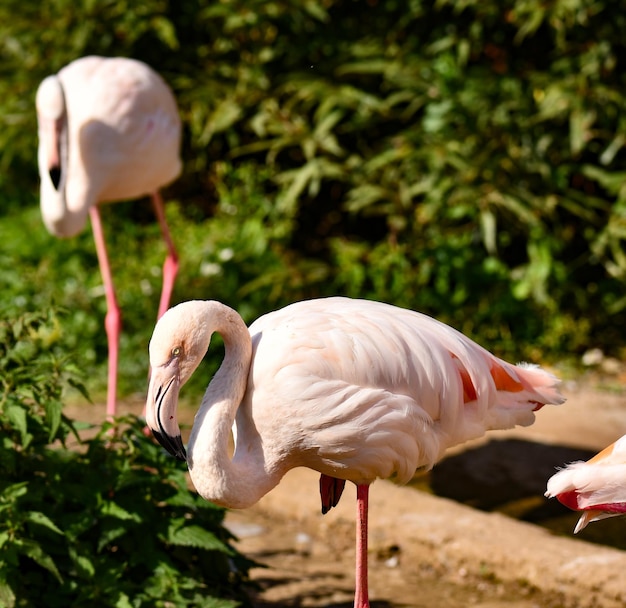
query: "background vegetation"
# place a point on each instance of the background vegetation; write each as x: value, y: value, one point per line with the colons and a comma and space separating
x: 461, y: 158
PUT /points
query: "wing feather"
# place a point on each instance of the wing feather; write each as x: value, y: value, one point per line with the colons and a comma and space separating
x: 376, y: 390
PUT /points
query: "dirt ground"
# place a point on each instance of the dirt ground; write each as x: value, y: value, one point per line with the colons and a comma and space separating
x: 426, y: 550
x: 431, y: 550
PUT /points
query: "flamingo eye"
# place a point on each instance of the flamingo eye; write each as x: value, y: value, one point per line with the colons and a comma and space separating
x: 177, y: 351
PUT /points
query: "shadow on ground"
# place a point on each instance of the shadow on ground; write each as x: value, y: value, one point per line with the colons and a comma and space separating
x: 509, y: 476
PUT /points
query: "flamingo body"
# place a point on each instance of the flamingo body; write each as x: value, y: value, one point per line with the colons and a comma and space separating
x: 354, y: 389
x: 109, y: 130
x: 110, y: 127
x: 597, y: 487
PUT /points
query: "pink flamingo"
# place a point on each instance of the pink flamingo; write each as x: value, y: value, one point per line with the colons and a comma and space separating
x: 596, y: 487
x: 354, y: 389
x: 109, y: 130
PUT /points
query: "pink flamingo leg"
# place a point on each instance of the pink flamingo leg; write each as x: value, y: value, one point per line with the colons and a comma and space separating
x: 361, y: 598
x: 113, y: 319
x: 170, y: 266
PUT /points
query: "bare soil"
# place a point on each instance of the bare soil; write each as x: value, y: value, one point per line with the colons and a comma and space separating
x: 431, y: 550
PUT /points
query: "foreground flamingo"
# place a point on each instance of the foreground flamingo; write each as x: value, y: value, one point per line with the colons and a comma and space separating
x: 596, y: 487
x: 109, y: 130
x: 354, y: 389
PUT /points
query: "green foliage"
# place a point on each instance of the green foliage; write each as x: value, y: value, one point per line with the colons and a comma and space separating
x: 107, y: 521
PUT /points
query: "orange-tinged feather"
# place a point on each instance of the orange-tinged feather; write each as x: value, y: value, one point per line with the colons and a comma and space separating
x: 503, y: 381
x: 605, y: 453
x: 469, y: 390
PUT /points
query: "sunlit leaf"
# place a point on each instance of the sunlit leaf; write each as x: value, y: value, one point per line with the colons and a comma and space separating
x: 182, y: 534
x: 7, y: 596
x: 488, y: 227
x: 41, y: 519
x: 17, y: 416
x: 580, y: 129
x: 112, y: 509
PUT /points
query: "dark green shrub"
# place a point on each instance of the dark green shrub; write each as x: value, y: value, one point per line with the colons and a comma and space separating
x: 107, y: 521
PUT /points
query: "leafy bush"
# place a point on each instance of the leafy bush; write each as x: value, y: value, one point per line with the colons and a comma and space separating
x: 106, y: 521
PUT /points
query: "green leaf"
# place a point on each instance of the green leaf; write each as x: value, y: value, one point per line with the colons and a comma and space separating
x: 84, y: 565
x: 112, y: 509
x: 14, y: 491
x: 613, y: 181
x: 580, y: 129
x: 183, y: 534
x: 16, y: 414
x: 489, y: 230
x: 33, y: 550
x: 7, y: 596
x: 555, y: 100
x: 612, y: 149
x: 166, y: 31
x: 39, y: 518
x: 54, y: 411
x: 109, y: 535
x: 123, y: 601
x: 226, y: 114
x: 364, y: 196
x: 80, y: 387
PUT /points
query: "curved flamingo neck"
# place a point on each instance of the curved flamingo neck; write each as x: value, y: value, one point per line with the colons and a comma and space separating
x: 240, y: 481
x: 65, y: 205
x: 68, y: 188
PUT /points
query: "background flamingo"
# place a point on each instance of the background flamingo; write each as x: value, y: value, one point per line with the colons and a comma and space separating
x: 354, y: 389
x: 596, y: 487
x: 109, y: 130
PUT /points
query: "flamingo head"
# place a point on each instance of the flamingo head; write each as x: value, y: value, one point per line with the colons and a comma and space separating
x: 179, y: 342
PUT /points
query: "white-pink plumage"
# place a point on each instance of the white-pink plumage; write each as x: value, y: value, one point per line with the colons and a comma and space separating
x: 354, y: 389
x: 109, y: 130
x: 596, y: 487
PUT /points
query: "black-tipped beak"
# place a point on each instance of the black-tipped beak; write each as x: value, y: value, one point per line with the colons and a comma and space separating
x: 174, y: 445
x: 161, y: 408
x: 55, y: 176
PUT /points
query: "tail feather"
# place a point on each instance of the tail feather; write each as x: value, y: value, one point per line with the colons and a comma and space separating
x: 522, y: 389
x: 542, y: 386
x: 562, y: 483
